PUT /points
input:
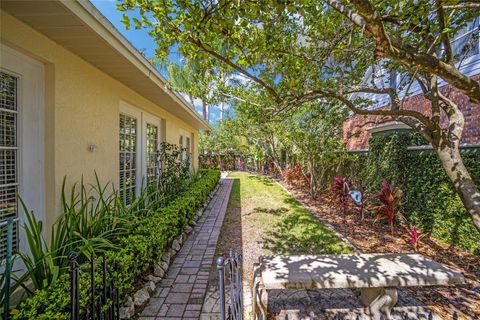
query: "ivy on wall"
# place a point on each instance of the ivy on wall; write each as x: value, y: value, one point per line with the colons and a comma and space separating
x: 387, y: 160
x: 429, y: 200
x: 432, y: 203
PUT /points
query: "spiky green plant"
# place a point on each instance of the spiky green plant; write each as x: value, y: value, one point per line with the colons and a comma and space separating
x: 3, y: 278
x: 90, y: 222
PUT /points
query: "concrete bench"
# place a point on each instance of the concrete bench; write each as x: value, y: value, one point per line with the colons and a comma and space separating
x: 376, y: 275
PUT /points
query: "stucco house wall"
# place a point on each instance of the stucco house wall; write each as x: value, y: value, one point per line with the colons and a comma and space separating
x: 81, y: 108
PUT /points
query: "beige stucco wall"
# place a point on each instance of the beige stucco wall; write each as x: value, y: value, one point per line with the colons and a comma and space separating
x: 81, y: 108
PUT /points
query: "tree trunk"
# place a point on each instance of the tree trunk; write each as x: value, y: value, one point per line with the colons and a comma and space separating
x: 462, y: 181
x: 192, y: 101
x: 205, y: 111
x: 313, y: 184
x: 276, y: 163
x: 222, y: 110
x: 219, y: 158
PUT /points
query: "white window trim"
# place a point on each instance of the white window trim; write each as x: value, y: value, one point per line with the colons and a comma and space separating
x: 186, y: 134
x: 182, y: 133
x: 148, y: 118
x: 30, y: 136
x: 131, y: 111
x: 143, y: 118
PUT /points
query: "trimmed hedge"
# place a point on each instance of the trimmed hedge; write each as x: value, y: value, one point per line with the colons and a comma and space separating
x: 138, y: 252
x: 430, y: 200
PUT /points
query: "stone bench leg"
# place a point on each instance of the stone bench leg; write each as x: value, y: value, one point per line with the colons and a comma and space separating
x: 380, y: 300
x: 260, y: 296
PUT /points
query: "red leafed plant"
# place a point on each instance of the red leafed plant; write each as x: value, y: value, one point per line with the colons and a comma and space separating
x: 390, y: 198
x: 295, y: 176
x: 414, y: 236
x: 340, y: 190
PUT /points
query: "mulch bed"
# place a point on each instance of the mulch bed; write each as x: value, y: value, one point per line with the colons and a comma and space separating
x: 370, y: 236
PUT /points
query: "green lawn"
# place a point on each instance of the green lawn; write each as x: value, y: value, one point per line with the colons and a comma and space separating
x: 263, y: 219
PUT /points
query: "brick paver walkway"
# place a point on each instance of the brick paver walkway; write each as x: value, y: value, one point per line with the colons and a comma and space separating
x: 181, y: 293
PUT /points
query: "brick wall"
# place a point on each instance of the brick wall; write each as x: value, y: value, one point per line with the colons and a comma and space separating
x: 356, y: 136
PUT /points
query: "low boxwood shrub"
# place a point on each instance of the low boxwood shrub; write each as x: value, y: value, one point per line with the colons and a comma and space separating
x: 137, y: 252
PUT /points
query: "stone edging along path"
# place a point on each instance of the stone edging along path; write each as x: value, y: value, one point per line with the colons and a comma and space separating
x: 137, y: 300
x: 180, y: 281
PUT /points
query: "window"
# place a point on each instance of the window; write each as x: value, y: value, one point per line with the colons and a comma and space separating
x: 139, y: 139
x: 466, y: 43
x: 187, y: 147
x: 152, y: 153
x: 180, y: 140
x: 128, y: 158
x: 184, y: 142
x: 8, y: 157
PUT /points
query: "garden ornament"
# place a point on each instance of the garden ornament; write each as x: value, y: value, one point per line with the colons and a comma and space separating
x: 355, y: 195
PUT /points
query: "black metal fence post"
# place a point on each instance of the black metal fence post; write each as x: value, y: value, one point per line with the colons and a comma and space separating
x: 104, y: 284
x: 91, y: 312
x: 117, y: 294
x: 74, y: 289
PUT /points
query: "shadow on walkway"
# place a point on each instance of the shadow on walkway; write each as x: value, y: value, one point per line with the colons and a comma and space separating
x: 230, y: 239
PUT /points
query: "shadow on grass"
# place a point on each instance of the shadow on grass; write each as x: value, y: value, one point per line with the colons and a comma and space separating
x: 231, y: 230
x: 230, y: 233
x: 262, y: 179
x: 291, y: 201
x: 300, y: 233
x: 275, y: 212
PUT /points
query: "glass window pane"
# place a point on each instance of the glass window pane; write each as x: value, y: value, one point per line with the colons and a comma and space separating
x: 152, y: 153
x: 128, y: 157
x: 8, y: 158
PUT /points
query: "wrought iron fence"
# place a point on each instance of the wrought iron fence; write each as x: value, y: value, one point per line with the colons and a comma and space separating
x: 230, y: 268
x: 104, y: 301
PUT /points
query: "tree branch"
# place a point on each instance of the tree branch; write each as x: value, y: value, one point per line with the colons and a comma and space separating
x: 342, y: 97
x: 392, y: 47
x: 463, y: 6
x: 234, y: 66
x: 445, y: 38
x: 240, y: 99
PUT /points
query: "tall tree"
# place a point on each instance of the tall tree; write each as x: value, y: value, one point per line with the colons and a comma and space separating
x: 304, y: 50
x: 191, y: 78
x: 317, y: 136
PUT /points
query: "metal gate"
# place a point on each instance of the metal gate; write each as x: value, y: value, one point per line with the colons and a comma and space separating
x: 230, y: 268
